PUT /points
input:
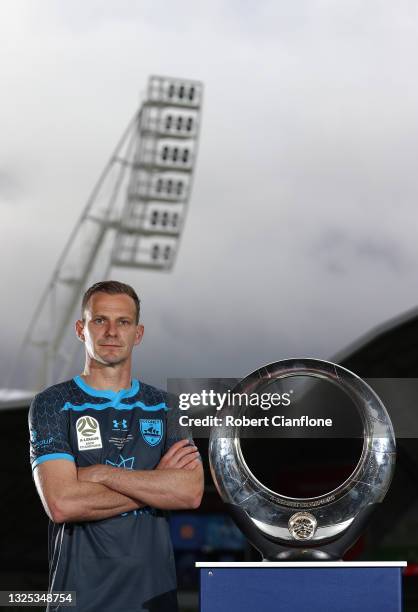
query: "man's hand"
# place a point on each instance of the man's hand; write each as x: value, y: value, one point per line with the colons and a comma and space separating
x: 182, y: 455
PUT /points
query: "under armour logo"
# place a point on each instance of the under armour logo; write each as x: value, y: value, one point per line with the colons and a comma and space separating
x: 123, y: 424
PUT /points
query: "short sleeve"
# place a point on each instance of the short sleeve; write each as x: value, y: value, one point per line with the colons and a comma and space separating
x: 175, y: 431
x: 48, y: 429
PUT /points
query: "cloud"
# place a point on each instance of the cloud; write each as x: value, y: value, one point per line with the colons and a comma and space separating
x: 304, y: 203
x: 10, y: 187
x: 337, y: 250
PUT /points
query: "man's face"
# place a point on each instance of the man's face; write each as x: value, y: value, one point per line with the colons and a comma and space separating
x: 109, y: 330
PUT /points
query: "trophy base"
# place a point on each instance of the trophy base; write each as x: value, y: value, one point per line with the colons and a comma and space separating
x: 273, y: 550
x: 298, y: 587
x: 302, y: 554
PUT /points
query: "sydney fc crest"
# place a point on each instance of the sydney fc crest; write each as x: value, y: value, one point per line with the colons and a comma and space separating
x: 151, y: 430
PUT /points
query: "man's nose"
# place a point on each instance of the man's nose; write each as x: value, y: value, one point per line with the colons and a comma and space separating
x: 111, y: 328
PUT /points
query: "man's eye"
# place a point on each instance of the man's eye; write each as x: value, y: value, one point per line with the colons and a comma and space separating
x: 125, y: 322
x: 98, y: 320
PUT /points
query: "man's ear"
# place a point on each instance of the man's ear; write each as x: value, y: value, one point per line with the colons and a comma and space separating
x: 139, y: 333
x: 79, y: 330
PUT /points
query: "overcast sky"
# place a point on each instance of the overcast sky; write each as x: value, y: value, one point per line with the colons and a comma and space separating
x: 302, y: 229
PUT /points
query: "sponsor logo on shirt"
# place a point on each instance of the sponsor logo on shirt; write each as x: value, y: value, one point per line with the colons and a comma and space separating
x: 151, y: 430
x: 120, y: 442
x: 122, y: 427
x: 39, y: 443
x: 88, y: 433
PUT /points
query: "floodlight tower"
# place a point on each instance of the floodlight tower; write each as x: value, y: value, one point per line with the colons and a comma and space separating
x: 161, y: 177
x: 152, y: 167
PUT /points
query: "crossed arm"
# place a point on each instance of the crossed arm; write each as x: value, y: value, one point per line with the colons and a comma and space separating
x: 100, y: 491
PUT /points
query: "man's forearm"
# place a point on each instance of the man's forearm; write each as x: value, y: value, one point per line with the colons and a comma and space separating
x: 171, y: 489
x: 90, y: 501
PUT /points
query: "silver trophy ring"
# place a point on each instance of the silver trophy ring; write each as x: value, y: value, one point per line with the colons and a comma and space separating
x: 268, y: 517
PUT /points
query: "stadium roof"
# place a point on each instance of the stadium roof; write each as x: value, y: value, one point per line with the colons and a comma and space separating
x: 15, y: 398
x: 389, y: 350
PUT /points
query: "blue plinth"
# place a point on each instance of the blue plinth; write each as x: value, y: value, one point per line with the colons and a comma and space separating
x: 301, y: 587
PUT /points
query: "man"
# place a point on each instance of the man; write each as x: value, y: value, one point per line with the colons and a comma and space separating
x: 108, y: 462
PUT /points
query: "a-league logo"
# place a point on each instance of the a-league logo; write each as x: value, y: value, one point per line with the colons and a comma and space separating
x: 88, y: 433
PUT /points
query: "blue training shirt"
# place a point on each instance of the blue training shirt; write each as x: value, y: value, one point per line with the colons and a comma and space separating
x: 124, y: 563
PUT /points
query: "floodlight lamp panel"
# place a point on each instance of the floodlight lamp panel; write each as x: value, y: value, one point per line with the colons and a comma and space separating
x: 162, y: 252
x: 169, y: 186
x: 148, y: 251
x: 173, y: 122
x: 164, y: 218
x: 175, y: 155
x: 176, y: 92
x: 178, y: 123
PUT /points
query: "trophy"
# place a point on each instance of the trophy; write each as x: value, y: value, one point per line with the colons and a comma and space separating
x: 318, y: 528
